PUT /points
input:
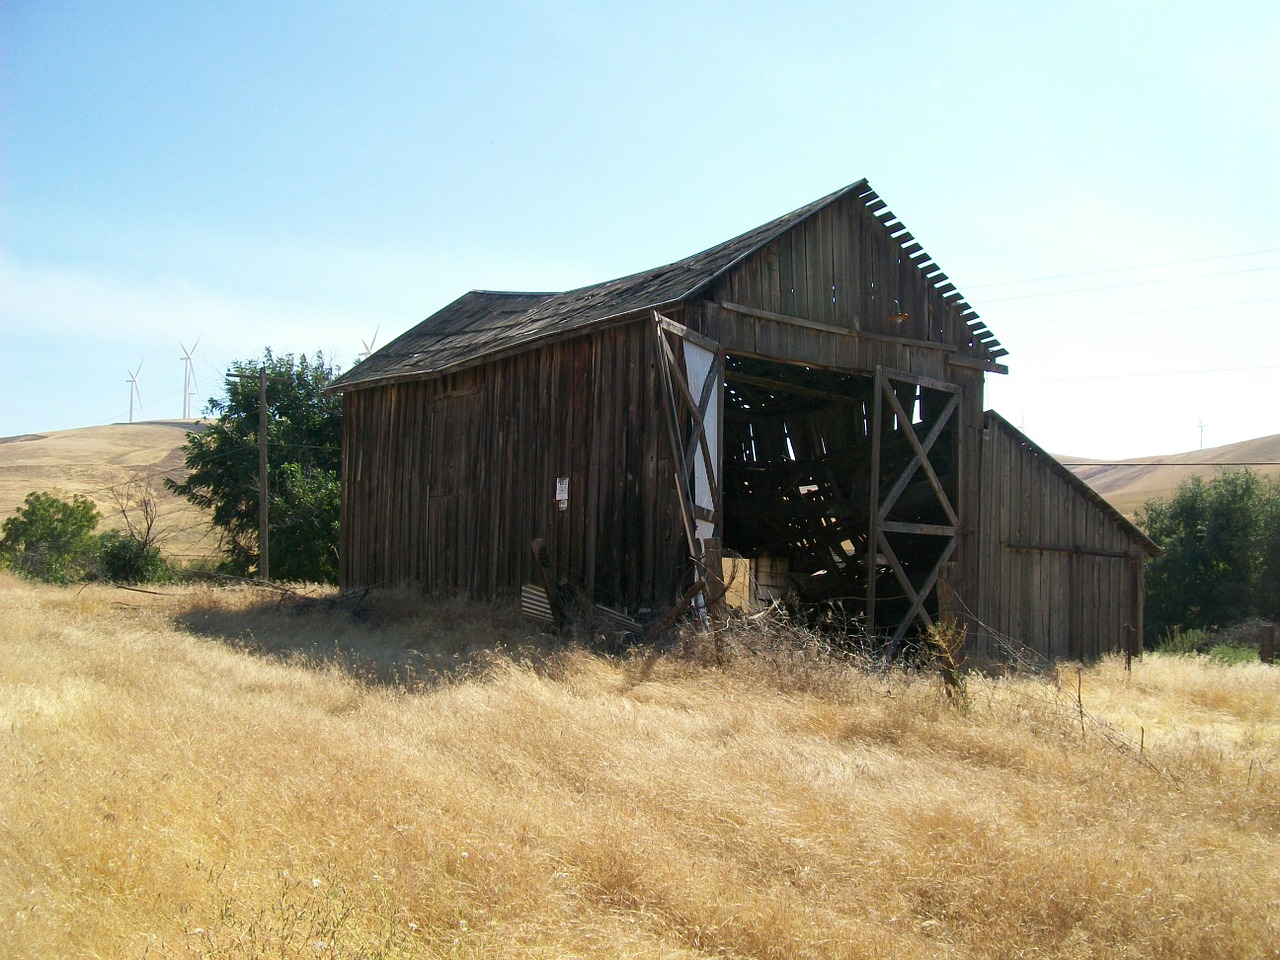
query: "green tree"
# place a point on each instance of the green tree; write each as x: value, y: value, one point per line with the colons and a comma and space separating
x: 1267, y: 595
x: 304, y: 438
x: 1220, y: 543
x: 51, y: 537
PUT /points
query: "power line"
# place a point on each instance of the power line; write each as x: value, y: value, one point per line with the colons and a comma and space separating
x: 1147, y: 266
x: 1151, y: 373
x: 1136, y: 313
x: 1135, y: 283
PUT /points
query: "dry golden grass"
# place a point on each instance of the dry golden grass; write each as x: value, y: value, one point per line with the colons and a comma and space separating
x: 203, y: 774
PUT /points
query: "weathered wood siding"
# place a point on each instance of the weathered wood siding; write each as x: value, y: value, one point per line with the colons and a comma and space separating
x: 846, y: 270
x: 823, y: 295
x: 1058, y: 573
x: 448, y: 480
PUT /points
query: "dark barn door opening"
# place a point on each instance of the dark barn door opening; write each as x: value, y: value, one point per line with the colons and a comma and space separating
x: 840, y: 487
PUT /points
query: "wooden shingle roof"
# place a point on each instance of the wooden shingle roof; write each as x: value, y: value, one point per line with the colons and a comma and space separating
x: 484, y: 324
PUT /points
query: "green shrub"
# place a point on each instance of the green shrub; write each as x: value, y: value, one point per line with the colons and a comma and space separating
x: 1229, y: 653
x: 1178, y: 640
x: 123, y: 558
x: 50, y: 538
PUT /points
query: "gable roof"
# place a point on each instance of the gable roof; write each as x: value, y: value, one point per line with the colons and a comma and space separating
x: 991, y: 418
x: 482, y: 324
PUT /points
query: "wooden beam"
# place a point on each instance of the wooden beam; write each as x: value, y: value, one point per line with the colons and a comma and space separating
x: 680, y: 330
x: 665, y: 362
x: 874, y: 535
x: 1073, y: 549
x: 944, y: 385
x: 676, y: 377
x: 917, y: 606
x: 921, y: 457
x: 976, y: 363
x: 781, y: 386
x: 788, y: 319
x: 905, y: 582
x: 857, y: 332
x: 922, y: 529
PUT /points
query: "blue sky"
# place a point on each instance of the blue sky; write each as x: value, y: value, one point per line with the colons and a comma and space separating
x: 297, y: 175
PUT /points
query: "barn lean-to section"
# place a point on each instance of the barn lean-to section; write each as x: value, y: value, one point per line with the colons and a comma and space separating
x: 1061, y: 568
x: 808, y: 396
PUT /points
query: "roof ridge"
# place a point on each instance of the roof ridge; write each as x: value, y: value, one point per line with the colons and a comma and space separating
x: 518, y: 293
x: 774, y: 229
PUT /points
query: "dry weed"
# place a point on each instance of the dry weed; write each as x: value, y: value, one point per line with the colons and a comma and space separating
x: 203, y: 775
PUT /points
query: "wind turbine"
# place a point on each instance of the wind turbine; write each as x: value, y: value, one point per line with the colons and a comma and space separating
x: 1201, y: 423
x: 368, y: 347
x: 188, y: 378
x: 133, y: 379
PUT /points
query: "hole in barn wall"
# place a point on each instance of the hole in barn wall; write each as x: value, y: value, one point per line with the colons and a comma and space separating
x: 797, y: 482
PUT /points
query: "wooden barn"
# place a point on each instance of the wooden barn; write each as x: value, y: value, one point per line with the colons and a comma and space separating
x: 807, y: 397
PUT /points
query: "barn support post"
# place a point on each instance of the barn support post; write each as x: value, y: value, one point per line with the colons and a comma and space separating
x: 713, y: 566
x: 873, y: 530
x: 948, y: 608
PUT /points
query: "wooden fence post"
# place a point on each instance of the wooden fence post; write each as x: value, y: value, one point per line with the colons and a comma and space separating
x: 948, y: 609
x: 713, y: 564
x: 549, y: 582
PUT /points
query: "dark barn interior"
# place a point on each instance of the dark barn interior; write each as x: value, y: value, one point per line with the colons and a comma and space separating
x: 800, y: 449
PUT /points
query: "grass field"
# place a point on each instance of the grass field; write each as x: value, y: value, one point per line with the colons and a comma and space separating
x: 209, y: 774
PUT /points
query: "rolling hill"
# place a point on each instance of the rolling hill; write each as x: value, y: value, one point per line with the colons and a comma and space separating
x: 96, y: 461
x: 1129, y: 484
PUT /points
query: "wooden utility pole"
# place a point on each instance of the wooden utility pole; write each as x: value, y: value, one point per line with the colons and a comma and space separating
x: 264, y: 563
x: 264, y: 554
